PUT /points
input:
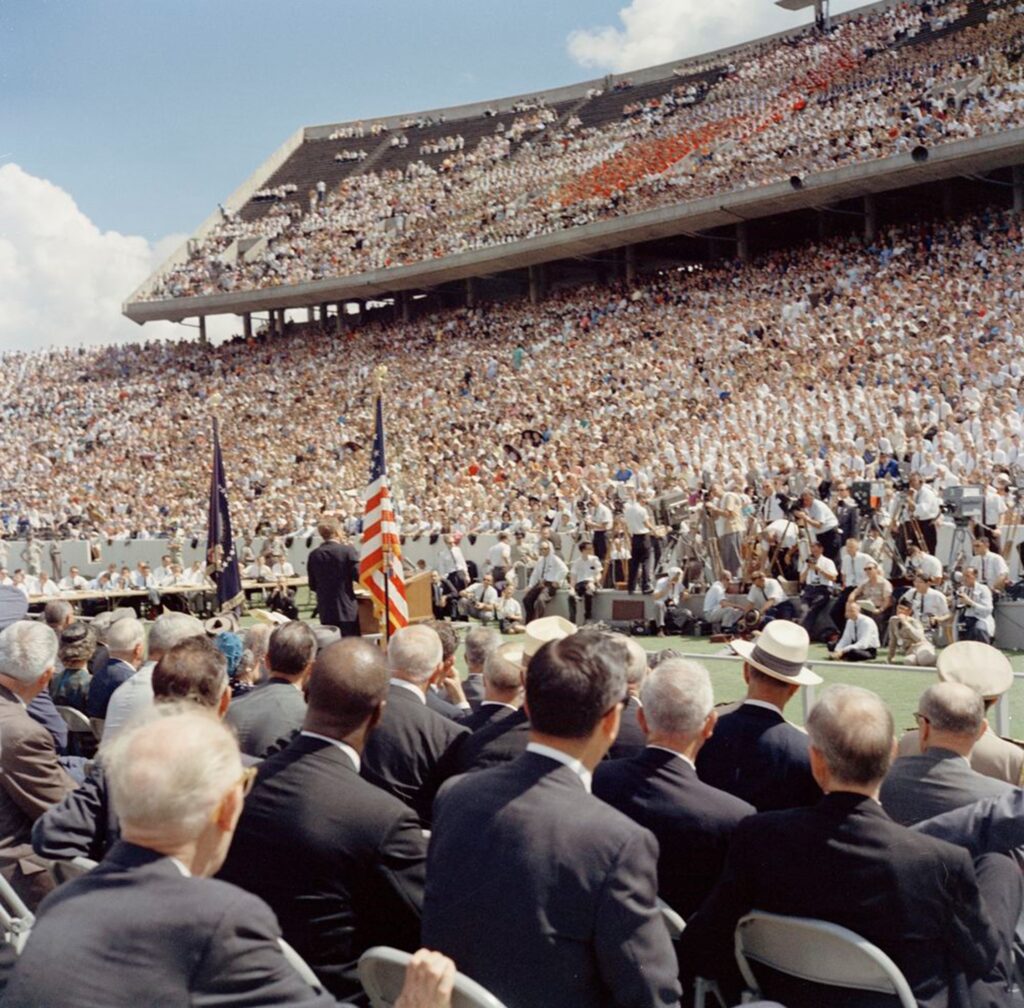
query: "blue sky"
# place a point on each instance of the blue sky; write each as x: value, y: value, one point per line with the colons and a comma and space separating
x: 142, y: 115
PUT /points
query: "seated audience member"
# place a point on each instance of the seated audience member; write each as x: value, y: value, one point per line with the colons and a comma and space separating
x: 907, y: 637
x: 951, y: 719
x: 136, y: 693
x: 669, y: 592
x: 58, y: 614
x: 478, y: 644
x: 502, y: 688
x: 339, y: 861
x: 479, y: 600
x: 148, y: 925
x: 755, y: 754
x: 31, y: 777
x: 631, y: 739
x: 947, y: 924
x: 509, y: 611
x: 546, y: 578
x: 84, y: 823
x: 446, y: 695
x: 974, y: 600
x: 720, y: 612
x: 444, y: 596
x: 276, y: 708
x: 525, y: 844
x: 126, y: 642
x: 70, y: 686
x: 660, y: 790
x: 584, y: 580
x: 859, y: 639
x: 987, y: 671
x: 404, y: 748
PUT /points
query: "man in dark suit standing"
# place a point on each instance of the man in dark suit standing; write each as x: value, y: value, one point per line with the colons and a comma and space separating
x: 947, y: 924
x: 951, y: 717
x: 333, y: 569
x: 339, y: 861
x: 659, y: 789
x: 276, y: 708
x: 404, y: 748
x: 755, y: 754
x: 31, y: 778
x: 148, y: 926
x: 541, y: 892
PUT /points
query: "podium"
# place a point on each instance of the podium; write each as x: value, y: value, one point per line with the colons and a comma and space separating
x: 418, y: 597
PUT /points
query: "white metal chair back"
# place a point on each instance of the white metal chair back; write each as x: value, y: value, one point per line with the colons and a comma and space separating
x: 16, y: 919
x: 673, y: 921
x: 301, y: 966
x: 75, y: 720
x: 819, y: 952
x: 65, y: 871
x: 382, y: 973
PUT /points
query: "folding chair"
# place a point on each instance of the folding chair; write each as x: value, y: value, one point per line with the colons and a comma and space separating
x: 65, y: 871
x: 382, y: 973
x: 301, y: 966
x: 702, y: 988
x: 16, y: 919
x: 673, y: 921
x: 817, y: 952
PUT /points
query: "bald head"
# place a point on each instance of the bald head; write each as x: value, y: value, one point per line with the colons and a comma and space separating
x: 346, y: 688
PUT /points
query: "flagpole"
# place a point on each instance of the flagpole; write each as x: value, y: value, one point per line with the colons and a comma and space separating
x: 378, y: 376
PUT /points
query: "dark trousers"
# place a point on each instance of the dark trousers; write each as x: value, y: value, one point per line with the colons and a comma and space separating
x: 639, y: 562
x: 858, y: 654
x: 974, y: 629
x: 588, y: 600
x: 601, y: 545
x: 350, y: 628
x: 831, y: 542
x: 533, y: 602
x: 1002, y: 895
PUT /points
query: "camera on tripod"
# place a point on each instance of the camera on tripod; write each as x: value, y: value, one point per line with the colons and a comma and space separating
x: 963, y: 503
x: 867, y: 495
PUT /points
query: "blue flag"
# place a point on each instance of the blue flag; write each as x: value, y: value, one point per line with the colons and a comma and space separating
x: 221, y: 558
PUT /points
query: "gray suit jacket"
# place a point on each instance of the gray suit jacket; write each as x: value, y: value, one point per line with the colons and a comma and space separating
x: 930, y: 783
x: 269, y: 713
x: 989, y: 826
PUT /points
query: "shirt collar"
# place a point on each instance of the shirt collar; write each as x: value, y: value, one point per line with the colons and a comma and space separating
x: 338, y: 744
x: 498, y: 703
x: 675, y: 752
x: 560, y: 757
x: 181, y: 866
x: 765, y: 704
x: 410, y: 687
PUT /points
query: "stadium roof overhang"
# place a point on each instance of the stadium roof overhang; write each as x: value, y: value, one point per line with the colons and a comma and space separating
x: 970, y: 157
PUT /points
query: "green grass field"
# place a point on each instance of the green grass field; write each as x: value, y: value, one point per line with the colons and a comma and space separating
x: 900, y: 689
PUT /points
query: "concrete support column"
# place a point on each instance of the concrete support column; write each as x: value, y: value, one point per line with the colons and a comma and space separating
x: 470, y: 293
x: 870, y: 217
x: 202, y: 329
x: 742, y: 242
x: 278, y: 315
x: 947, y: 198
x: 247, y: 325
x: 405, y: 303
x: 324, y: 312
x: 535, y: 275
x: 629, y: 263
x: 822, y: 225
x: 310, y: 315
x: 1018, y: 188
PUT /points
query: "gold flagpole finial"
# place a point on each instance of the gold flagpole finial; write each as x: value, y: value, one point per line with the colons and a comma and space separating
x: 379, y: 374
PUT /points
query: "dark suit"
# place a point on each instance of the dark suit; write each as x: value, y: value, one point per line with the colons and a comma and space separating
x: 758, y: 756
x: 339, y: 862
x: 930, y: 783
x: 332, y: 569
x: 846, y: 861
x: 404, y: 748
x: 31, y: 781
x: 103, y: 685
x: 992, y: 825
x: 445, y: 707
x: 265, y: 714
x: 473, y: 687
x: 544, y: 894
x: 82, y: 825
x: 692, y: 821
x: 486, y: 713
x: 631, y: 739
x: 136, y: 933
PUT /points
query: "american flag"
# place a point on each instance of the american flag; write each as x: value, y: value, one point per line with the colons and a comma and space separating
x: 379, y: 529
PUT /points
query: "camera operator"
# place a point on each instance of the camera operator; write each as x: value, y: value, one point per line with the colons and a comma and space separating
x: 974, y: 602
x: 991, y: 567
x: 585, y: 576
x: 817, y: 583
x: 993, y: 506
x: 599, y: 524
x: 924, y: 516
x: 820, y: 521
x: 772, y: 505
x: 907, y: 637
x: 668, y: 593
x: 929, y: 606
x: 845, y: 508
x: 924, y: 563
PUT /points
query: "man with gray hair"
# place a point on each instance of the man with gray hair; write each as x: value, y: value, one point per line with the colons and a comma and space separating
x: 479, y: 643
x: 503, y: 688
x: 31, y: 777
x: 950, y: 718
x: 178, y: 785
x: 275, y: 709
x: 692, y: 821
x: 403, y: 751
x: 631, y: 738
x: 947, y: 923
x: 136, y: 693
x: 126, y: 642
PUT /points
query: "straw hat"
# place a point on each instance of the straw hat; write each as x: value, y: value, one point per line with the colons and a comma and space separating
x: 780, y: 652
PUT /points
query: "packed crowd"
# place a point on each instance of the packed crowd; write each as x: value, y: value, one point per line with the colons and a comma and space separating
x: 911, y: 344
x: 800, y: 105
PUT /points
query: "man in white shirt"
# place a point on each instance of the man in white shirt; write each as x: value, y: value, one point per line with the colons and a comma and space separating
x: 546, y: 578
x: 718, y: 610
x: 509, y: 612
x: 640, y: 526
x: 600, y: 524
x: 45, y: 587
x: 925, y: 503
x: 73, y: 581
x: 928, y: 606
x: 669, y: 592
x: 585, y: 576
x: 279, y: 566
x: 818, y: 580
x: 859, y: 639
x: 765, y: 595
x: 451, y: 564
x: 991, y: 567
x: 975, y: 598
x: 924, y: 563
x: 820, y: 522
x: 499, y: 559
x: 258, y: 571
x: 479, y: 599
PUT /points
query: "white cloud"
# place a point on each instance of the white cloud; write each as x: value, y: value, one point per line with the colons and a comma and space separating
x: 657, y: 31
x: 63, y: 280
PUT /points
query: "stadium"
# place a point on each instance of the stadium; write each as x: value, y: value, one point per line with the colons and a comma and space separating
x: 699, y: 378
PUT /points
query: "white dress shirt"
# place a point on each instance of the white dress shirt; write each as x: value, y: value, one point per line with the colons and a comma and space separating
x: 859, y: 634
x: 338, y: 744
x: 411, y: 687
x: 566, y: 760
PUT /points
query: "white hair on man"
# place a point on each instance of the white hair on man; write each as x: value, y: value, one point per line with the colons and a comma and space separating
x: 125, y: 636
x: 479, y: 643
x: 501, y: 673
x: 168, y: 772
x: 27, y: 650
x: 414, y: 652
x: 636, y: 664
x: 172, y: 628
x: 677, y: 697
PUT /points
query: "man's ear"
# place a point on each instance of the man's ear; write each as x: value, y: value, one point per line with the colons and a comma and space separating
x: 377, y: 714
x: 641, y: 719
x: 225, y: 700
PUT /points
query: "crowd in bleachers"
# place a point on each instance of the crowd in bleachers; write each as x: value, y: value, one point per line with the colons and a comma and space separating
x: 787, y: 107
x: 912, y: 341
